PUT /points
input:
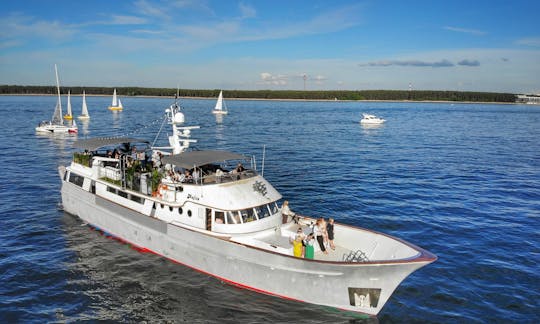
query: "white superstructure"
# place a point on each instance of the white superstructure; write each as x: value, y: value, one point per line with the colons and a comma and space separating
x: 371, y: 120
x: 225, y: 221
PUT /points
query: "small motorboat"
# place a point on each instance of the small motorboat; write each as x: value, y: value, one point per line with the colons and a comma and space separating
x: 371, y: 120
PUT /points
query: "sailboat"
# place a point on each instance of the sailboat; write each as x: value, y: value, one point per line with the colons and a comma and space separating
x: 116, y: 103
x: 56, y: 124
x: 84, y: 113
x: 220, y: 108
x: 69, y: 114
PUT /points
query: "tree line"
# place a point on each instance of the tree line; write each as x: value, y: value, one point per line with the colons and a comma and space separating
x: 414, y: 95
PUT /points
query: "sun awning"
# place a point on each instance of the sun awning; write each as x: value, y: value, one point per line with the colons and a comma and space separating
x: 190, y: 159
x: 92, y: 144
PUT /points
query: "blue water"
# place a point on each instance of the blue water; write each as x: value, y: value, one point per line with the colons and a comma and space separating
x: 460, y: 180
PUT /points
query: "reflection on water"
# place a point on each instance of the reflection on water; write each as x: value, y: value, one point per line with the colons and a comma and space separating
x: 219, y: 119
x: 84, y: 126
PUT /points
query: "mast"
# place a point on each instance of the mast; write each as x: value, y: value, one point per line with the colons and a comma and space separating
x: 57, y: 116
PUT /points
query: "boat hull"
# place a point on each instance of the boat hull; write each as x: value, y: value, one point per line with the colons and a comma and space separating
x: 116, y: 108
x: 358, y: 287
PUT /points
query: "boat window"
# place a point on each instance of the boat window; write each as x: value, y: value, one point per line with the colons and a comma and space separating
x: 273, y: 207
x: 76, y: 179
x: 189, y: 213
x: 65, y: 175
x: 180, y: 210
x: 247, y: 215
x: 233, y: 217
x: 122, y: 194
x: 262, y: 211
x: 136, y: 199
x: 170, y: 208
x: 219, y: 217
x: 112, y: 190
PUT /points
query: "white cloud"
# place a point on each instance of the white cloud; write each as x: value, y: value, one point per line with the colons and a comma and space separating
x: 247, y: 11
x: 127, y: 20
x: 149, y: 9
x: 532, y: 41
x: 270, y: 79
x: 16, y: 26
x: 465, y: 30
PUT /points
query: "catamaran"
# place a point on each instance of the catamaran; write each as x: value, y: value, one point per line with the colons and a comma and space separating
x: 56, y: 124
x: 84, y: 111
x: 116, y: 104
x: 212, y: 211
x: 220, y: 108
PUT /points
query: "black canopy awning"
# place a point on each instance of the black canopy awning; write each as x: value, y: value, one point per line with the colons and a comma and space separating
x: 188, y: 160
x: 92, y: 144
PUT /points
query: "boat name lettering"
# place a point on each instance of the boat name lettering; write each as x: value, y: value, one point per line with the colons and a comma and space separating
x: 189, y: 196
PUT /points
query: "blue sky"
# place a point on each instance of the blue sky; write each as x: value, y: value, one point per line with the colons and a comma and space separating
x: 350, y: 45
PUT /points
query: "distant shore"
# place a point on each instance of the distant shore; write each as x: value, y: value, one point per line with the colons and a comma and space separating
x: 274, y: 99
x: 279, y: 95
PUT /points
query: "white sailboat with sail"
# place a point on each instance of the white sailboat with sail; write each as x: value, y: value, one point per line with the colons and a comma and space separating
x: 56, y: 124
x: 69, y: 114
x: 116, y: 104
x: 220, y: 108
x: 84, y: 113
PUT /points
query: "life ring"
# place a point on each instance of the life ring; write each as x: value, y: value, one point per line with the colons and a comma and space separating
x: 157, y: 194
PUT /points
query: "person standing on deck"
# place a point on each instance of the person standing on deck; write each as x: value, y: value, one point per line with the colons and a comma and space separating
x: 286, y: 212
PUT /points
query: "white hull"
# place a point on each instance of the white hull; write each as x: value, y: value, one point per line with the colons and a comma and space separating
x: 245, y: 261
x: 371, y: 120
x: 51, y: 128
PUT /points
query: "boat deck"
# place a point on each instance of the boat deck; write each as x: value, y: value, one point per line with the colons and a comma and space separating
x: 281, y: 242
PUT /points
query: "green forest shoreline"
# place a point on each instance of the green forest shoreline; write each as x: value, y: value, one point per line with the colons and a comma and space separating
x: 330, y: 95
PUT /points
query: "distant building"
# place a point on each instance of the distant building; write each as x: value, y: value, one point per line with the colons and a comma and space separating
x: 529, y: 99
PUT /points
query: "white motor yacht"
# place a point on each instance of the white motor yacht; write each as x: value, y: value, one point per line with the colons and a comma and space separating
x: 202, y: 210
x: 371, y: 119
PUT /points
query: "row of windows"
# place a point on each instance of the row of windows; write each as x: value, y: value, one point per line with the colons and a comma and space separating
x: 246, y: 215
x: 124, y: 194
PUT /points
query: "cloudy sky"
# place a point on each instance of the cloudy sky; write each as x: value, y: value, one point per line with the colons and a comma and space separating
x: 440, y: 45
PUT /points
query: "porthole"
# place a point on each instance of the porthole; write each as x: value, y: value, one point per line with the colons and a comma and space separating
x: 180, y: 189
x: 162, y: 206
x: 180, y: 211
x: 189, y: 213
x: 170, y: 208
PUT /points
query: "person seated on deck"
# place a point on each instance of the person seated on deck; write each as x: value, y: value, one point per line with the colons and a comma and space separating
x: 239, y: 168
x: 187, y: 177
x: 219, y: 174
